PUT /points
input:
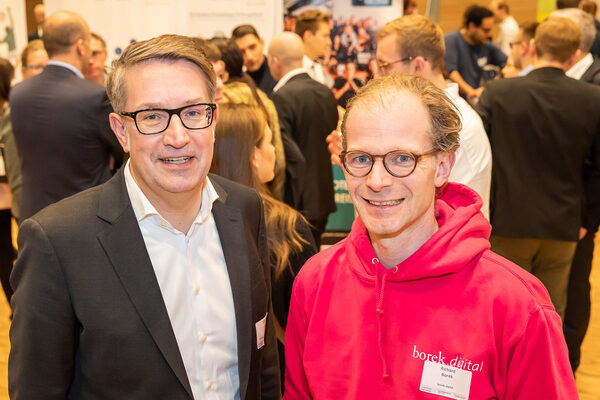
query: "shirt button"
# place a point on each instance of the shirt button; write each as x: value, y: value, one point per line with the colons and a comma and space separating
x: 208, y: 384
x: 203, y: 339
x: 163, y: 224
x: 196, y: 289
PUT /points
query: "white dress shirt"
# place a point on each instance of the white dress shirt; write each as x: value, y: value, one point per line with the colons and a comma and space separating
x: 507, y: 30
x: 473, y: 165
x: 314, y: 69
x: 194, y: 282
x: 577, y: 70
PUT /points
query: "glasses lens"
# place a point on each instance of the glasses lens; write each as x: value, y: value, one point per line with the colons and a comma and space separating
x: 358, y: 163
x: 197, y: 116
x: 152, y: 121
x: 399, y: 163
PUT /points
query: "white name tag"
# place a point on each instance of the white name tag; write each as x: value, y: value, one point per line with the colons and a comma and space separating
x: 447, y: 381
x: 260, y: 332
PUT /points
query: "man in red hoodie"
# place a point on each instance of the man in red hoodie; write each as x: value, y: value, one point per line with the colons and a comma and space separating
x: 413, y: 304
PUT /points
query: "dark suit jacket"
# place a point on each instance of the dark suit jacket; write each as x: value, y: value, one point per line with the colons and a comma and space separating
x: 592, y: 74
x: 89, y: 318
x: 542, y: 127
x: 307, y: 114
x: 60, y: 123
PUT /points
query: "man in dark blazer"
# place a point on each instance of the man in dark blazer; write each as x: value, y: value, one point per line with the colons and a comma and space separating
x: 154, y: 285
x: 542, y: 128
x: 60, y: 120
x: 307, y: 114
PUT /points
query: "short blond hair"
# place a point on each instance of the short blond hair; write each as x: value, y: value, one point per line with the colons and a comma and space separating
x: 166, y: 48
x: 384, y: 91
x: 557, y: 38
x: 417, y: 35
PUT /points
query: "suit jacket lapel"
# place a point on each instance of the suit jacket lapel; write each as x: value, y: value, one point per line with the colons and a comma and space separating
x: 125, y: 247
x: 231, y: 228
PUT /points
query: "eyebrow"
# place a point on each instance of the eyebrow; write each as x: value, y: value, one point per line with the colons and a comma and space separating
x: 144, y: 106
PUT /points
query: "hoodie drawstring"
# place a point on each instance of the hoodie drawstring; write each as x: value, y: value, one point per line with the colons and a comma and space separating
x: 380, y: 289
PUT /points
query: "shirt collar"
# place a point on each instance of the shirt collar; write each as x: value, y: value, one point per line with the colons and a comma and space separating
x: 284, y: 79
x: 577, y: 70
x: 526, y: 70
x: 67, y: 66
x: 452, y: 90
x: 144, y: 209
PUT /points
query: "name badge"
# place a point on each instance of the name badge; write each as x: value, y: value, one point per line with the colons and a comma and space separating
x: 482, y: 61
x: 260, y: 332
x: 447, y: 381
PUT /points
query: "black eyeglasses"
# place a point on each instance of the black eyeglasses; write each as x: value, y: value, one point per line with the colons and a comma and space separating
x: 156, y: 120
x: 398, y: 163
x: 383, y: 65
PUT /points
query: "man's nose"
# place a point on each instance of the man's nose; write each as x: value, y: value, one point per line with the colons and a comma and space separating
x: 176, y: 135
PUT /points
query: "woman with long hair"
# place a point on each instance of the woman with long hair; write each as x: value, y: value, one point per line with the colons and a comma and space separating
x: 244, y: 153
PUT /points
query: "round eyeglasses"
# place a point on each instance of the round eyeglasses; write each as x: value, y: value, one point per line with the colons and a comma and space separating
x: 156, y: 120
x: 398, y: 163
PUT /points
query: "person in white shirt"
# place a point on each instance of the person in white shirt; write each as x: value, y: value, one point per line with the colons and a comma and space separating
x: 313, y: 27
x: 156, y: 284
x: 414, y: 45
x: 507, y: 28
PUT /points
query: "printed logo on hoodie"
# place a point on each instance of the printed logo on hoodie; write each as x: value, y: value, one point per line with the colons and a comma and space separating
x: 454, y: 361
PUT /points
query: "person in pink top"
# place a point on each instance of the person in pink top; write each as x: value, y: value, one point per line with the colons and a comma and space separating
x: 413, y: 304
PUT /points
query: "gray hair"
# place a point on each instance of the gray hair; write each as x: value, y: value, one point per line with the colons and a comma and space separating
x: 584, y: 21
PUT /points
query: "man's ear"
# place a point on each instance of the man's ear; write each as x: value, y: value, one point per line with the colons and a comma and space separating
x: 444, y: 162
x: 118, y: 126
x: 80, y: 47
x: 419, y: 65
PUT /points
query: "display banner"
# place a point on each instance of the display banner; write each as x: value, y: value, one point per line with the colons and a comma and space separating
x: 13, y: 30
x: 545, y: 7
x: 121, y: 22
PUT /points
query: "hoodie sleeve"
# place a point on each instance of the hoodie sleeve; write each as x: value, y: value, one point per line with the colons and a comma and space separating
x: 538, y: 363
x: 296, y: 385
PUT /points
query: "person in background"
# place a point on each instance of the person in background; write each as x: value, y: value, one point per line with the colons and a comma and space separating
x: 410, y: 7
x: 7, y: 252
x: 96, y: 71
x: 243, y: 135
x: 313, y: 27
x: 522, y: 51
x: 33, y: 61
x: 253, y: 46
x: 469, y: 50
x: 213, y: 54
x: 240, y: 88
x: 539, y: 157
x: 307, y: 113
x: 507, y: 25
x: 420, y: 42
x: 39, y: 16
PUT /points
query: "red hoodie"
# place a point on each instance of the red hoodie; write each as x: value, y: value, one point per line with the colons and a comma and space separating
x: 453, y: 319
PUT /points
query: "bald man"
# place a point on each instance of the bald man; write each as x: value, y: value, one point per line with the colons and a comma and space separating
x: 60, y: 120
x: 307, y: 114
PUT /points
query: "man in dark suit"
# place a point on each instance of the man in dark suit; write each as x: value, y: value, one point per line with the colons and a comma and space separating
x: 247, y: 39
x: 577, y: 314
x: 60, y: 120
x: 154, y: 285
x: 307, y: 114
x: 542, y: 128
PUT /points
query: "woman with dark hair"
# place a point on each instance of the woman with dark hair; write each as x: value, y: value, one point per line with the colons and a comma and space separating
x: 244, y: 153
x: 6, y: 247
x: 240, y: 89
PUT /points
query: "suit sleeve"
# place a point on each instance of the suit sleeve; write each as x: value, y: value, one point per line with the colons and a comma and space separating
x: 484, y: 109
x: 43, y: 331
x: 538, y: 364
x: 295, y: 162
x: 270, y: 376
x: 591, y: 169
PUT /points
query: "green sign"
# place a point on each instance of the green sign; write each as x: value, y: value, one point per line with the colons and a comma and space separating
x: 341, y: 220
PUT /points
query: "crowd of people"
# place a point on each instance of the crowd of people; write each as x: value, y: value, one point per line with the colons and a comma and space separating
x: 171, y: 208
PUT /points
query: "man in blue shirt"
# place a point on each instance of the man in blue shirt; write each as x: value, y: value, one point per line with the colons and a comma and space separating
x: 469, y: 50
